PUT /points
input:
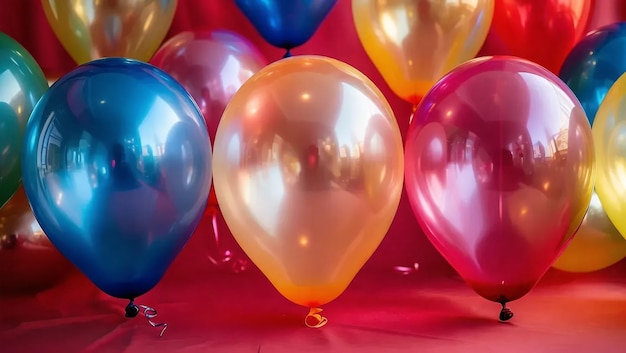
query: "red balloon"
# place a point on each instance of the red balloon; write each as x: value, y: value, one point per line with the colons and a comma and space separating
x: 542, y: 31
x: 499, y: 172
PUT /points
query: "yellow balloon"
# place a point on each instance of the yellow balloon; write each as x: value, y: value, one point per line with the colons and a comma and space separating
x: 308, y: 172
x: 609, y: 136
x: 596, y: 245
x: 413, y: 43
x: 93, y: 29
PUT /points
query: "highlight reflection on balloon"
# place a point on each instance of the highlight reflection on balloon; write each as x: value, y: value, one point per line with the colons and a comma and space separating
x: 596, y: 245
x: 609, y: 134
x: 92, y: 29
x: 414, y: 43
x: 499, y: 172
x: 308, y: 174
x: 542, y: 31
x: 28, y: 261
x: 594, y: 64
x: 22, y: 83
x: 117, y: 166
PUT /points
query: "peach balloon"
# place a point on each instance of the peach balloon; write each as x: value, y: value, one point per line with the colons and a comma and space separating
x: 308, y: 173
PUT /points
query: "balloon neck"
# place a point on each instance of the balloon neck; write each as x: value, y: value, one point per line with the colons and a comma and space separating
x: 287, y: 54
x: 314, y: 319
x: 505, y: 314
x: 132, y: 310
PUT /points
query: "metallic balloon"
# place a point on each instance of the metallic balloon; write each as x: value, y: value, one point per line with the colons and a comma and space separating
x: 609, y: 134
x: 93, y: 29
x: 308, y: 174
x: 499, y: 172
x: 28, y: 261
x: 595, y: 63
x: 286, y: 24
x: 22, y: 83
x: 212, y: 66
x: 117, y: 166
x: 414, y: 43
x: 596, y: 245
x: 542, y: 31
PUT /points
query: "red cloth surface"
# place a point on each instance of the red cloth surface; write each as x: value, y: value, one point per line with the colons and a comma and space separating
x: 382, y: 311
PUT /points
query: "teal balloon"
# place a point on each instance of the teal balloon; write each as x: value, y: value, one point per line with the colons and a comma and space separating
x: 22, y: 83
x: 594, y: 64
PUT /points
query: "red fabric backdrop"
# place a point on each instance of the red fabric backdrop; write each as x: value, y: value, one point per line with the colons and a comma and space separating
x: 25, y: 21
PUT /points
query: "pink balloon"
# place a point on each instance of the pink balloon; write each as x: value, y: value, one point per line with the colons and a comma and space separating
x: 499, y: 172
x: 212, y: 66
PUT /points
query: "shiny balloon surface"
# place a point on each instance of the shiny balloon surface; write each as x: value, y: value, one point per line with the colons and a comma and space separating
x: 94, y: 29
x: 500, y: 172
x: 286, y: 24
x: 117, y: 167
x: 22, y: 83
x: 308, y: 174
x: 414, y: 43
x: 594, y: 64
x: 596, y: 245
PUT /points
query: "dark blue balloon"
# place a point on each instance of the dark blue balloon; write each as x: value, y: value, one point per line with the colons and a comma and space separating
x: 117, y: 167
x: 594, y: 64
x: 286, y: 23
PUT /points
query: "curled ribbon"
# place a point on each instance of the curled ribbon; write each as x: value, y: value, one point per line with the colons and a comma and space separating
x: 314, y: 319
x: 151, y: 313
x: 132, y: 310
x: 227, y: 259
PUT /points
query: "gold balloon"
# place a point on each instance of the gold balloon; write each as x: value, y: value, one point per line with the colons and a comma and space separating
x: 308, y: 171
x: 596, y: 245
x: 28, y: 261
x: 93, y: 29
x: 609, y: 135
x: 413, y: 43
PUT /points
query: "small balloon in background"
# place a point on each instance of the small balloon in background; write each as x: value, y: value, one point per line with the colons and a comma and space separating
x: 609, y: 134
x: 286, y: 24
x: 308, y: 174
x: 594, y: 64
x: 596, y: 245
x: 92, y: 29
x: 212, y: 66
x: 542, y: 31
x: 22, y: 83
x: 499, y: 172
x: 29, y: 263
x: 414, y: 43
x: 117, y: 167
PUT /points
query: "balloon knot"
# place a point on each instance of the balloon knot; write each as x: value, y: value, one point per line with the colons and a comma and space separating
x: 287, y: 54
x: 505, y: 314
x: 314, y: 319
x: 132, y: 310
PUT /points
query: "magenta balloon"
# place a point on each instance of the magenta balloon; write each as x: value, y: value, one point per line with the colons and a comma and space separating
x: 212, y: 66
x: 499, y: 172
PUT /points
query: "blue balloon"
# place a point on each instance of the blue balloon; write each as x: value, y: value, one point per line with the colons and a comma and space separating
x: 286, y: 23
x: 117, y: 168
x: 594, y: 64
